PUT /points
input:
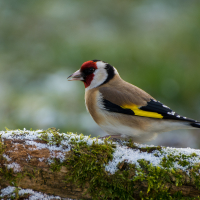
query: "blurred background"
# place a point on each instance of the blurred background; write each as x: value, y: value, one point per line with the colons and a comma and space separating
x: 153, y: 44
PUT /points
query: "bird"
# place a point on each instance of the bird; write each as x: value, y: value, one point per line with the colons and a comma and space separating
x: 123, y: 110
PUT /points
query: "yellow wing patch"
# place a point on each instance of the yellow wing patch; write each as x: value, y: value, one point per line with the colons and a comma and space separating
x: 142, y: 113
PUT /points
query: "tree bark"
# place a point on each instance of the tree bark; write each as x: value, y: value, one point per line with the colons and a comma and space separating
x: 29, y: 166
x: 35, y: 172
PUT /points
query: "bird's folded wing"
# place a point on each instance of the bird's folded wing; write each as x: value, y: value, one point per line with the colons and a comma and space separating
x: 143, y: 105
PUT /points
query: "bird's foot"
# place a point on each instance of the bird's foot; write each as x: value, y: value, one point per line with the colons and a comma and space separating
x: 114, y: 138
x: 110, y: 136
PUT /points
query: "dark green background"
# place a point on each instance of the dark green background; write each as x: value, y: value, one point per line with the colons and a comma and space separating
x: 153, y: 44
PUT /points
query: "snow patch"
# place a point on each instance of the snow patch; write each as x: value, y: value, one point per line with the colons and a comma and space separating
x: 33, y: 195
x: 15, y: 166
x: 132, y: 156
x: 56, y: 151
x: 7, y: 157
x: 6, y: 191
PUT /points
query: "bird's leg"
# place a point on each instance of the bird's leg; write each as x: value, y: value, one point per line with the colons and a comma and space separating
x: 110, y: 136
x: 104, y: 137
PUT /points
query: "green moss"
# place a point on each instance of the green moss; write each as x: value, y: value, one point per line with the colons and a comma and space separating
x: 86, y: 168
x: 121, y: 185
x: 56, y: 165
x: 147, y: 149
x: 56, y: 136
x: 169, y: 160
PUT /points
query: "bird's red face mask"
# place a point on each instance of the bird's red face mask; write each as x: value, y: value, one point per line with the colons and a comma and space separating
x: 85, y: 73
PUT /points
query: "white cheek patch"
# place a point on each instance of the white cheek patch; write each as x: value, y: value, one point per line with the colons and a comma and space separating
x: 100, y: 64
x: 100, y: 75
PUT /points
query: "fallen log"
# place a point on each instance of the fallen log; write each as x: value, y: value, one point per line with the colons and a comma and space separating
x: 80, y: 167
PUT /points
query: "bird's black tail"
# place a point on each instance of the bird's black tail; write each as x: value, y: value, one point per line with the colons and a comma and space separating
x: 196, y: 124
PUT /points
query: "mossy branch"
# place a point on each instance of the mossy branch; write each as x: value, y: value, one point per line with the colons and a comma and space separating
x: 80, y: 167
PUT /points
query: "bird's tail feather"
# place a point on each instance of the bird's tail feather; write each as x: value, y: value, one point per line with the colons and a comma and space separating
x: 195, y: 124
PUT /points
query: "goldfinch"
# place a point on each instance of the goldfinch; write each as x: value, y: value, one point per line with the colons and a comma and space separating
x: 122, y: 109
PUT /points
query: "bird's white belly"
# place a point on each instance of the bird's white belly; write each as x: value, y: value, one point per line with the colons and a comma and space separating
x: 113, y: 126
x: 128, y: 132
x: 140, y: 129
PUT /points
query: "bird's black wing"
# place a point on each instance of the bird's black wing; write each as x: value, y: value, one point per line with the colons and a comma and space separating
x: 153, y: 109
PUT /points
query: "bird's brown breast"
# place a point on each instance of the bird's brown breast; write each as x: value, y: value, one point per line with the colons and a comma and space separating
x: 92, y: 97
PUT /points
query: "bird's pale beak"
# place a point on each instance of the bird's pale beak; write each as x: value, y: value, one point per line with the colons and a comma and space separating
x: 76, y: 76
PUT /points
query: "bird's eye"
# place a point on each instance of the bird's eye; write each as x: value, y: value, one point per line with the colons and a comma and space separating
x: 91, y: 70
x: 88, y: 71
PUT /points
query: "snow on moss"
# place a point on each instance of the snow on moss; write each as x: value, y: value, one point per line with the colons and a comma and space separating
x: 15, y: 166
x: 31, y: 136
x: 180, y: 158
x: 10, y: 192
x: 56, y: 148
x: 7, y: 157
x: 6, y: 191
x: 165, y: 157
